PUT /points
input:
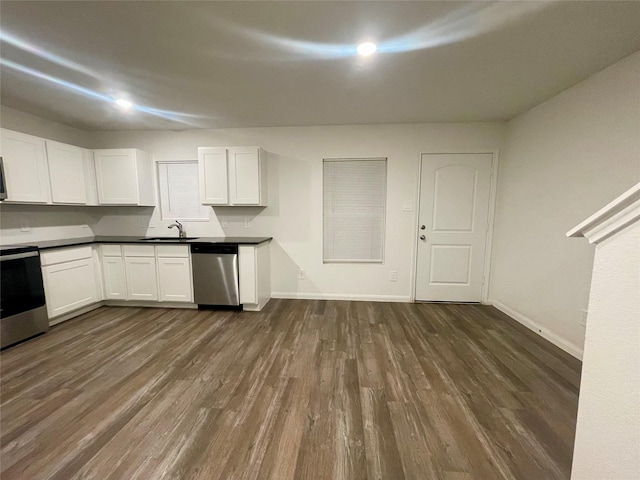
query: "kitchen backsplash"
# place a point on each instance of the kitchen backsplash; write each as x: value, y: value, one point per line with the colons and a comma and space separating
x: 24, y: 223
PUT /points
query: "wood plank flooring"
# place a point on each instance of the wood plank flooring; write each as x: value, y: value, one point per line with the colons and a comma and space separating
x: 302, y: 390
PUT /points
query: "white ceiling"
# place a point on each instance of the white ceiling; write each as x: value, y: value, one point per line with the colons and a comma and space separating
x: 241, y: 64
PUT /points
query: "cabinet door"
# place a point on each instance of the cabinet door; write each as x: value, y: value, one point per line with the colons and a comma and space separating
x: 213, y: 173
x: 248, y: 274
x: 142, y: 281
x: 244, y: 176
x: 113, y: 277
x: 69, y: 286
x: 25, y: 167
x: 91, y: 187
x: 66, y: 173
x: 116, y: 176
x: 174, y: 278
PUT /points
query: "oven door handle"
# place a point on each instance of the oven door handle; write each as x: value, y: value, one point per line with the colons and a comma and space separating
x: 18, y: 255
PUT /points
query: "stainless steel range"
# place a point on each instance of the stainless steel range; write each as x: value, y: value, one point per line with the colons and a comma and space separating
x: 22, y: 304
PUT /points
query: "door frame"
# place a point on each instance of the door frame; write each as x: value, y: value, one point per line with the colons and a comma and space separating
x: 493, y: 190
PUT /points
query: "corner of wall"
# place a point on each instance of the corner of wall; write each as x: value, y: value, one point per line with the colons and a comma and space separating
x: 541, y: 330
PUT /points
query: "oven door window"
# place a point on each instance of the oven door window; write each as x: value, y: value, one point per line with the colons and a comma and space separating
x: 21, y: 289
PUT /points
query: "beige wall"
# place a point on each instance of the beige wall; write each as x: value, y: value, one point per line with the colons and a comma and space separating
x: 562, y: 161
x: 41, y: 127
x: 294, y: 214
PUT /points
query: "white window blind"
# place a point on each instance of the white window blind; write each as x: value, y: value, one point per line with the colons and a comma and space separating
x: 354, y: 209
x: 179, y: 198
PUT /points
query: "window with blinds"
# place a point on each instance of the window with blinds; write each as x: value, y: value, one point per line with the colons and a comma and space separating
x: 354, y: 199
x: 179, y: 198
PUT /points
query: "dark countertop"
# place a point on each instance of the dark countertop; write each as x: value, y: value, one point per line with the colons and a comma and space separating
x: 71, y: 242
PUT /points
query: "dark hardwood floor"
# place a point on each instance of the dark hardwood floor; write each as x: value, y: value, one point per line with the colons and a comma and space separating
x: 302, y: 390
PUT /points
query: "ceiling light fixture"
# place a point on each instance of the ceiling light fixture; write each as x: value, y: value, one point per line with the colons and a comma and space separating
x: 366, y: 48
x: 121, y: 102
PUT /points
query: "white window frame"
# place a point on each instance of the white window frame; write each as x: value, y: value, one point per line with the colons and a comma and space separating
x: 384, y: 212
x: 163, y: 201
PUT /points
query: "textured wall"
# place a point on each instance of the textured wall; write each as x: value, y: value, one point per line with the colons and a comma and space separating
x: 607, y: 442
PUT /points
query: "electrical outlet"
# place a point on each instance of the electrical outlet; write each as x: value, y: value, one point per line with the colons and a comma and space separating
x: 407, y: 207
x: 393, y: 276
x: 247, y: 223
x: 301, y: 274
x: 24, y: 226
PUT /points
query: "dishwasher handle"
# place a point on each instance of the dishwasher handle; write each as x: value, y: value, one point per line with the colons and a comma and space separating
x: 207, y: 248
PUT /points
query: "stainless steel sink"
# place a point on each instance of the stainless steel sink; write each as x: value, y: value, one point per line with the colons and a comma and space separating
x: 167, y: 239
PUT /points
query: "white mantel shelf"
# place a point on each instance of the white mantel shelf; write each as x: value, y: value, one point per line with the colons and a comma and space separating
x: 612, y: 218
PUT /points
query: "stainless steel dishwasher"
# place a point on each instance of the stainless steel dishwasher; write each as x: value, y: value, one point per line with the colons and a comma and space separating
x: 215, y: 275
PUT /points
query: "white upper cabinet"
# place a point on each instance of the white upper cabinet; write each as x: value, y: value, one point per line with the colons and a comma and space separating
x: 124, y: 177
x: 247, y: 180
x: 91, y: 187
x: 232, y: 176
x: 25, y: 167
x: 66, y: 173
x: 213, y: 174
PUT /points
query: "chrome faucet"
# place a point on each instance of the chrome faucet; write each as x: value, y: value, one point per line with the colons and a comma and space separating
x: 181, y: 231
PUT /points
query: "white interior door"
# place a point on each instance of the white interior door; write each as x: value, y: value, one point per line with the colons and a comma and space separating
x: 453, y: 224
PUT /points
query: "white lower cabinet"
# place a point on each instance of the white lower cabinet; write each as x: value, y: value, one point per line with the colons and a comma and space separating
x: 142, y: 278
x: 174, y: 280
x: 254, y: 269
x: 147, y: 273
x: 113, y: 277
x: 69, y: 279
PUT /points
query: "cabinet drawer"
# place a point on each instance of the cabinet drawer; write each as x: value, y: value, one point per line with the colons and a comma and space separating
x: 111, y: 250
x: 139, y: 251
x: 51, y: 257
x: 173, y: 251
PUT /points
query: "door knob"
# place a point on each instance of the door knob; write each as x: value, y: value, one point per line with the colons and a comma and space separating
x: 422, y: 237
x: 422, y: 227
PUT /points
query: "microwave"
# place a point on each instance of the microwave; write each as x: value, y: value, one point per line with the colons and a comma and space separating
x: 3, y: 182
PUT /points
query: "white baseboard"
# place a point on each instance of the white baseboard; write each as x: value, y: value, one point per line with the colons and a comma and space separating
x: 75, y: 313
x: 149, y: 304
x: 534, y: 326
x: 255, y: 307
x: 342, y: 296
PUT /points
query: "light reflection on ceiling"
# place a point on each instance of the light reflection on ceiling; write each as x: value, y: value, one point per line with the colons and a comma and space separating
x: 468, y: 21
x: 261, y: 64
x: 10, y: 39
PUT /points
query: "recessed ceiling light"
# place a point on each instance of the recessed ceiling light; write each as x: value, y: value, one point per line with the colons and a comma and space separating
x: 121, y: 102
x: 366, y: 48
